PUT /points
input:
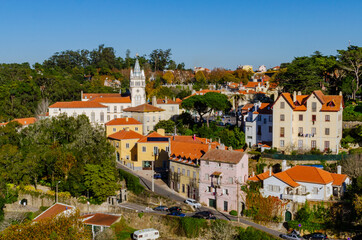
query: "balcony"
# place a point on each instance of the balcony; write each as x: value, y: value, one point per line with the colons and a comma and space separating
x: 300, y: 198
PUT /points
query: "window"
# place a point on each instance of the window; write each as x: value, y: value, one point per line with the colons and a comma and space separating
x: 207, y: 176
x: 183, y: 188
x: 259, y: 130
x: 281, y: 132
x: 303, y: 189
x: 270, y: 129
x: 300, y: 117
x: 178, y: 170
x: 183, y: 171
x: 167, y: 149
x: 115, y: 109
x: 264, y: 120
x: 172, y: 109
x: 209, y: 189
x: 276, y: 188
x: 282, y: 117
x: 108, y: 118
x: 314, y: 118
x: 143, y: 149
x: 207, y: 163
x: 300, y: 144
x: 270, y: 118
x: 315, y: 190
x: 326, y: 131
x: 188, y: 173
x: 155, y: 150
x: 154, y: 119
x: 328, y: 118
x: 172, y: 169
x: 259, y: 118
x: 148, y: 119
x: 225, y: 191
x: 313, y: 144
x: 326, y: 145
x: 314, y: 106
x: 117, y: 144
x: 127, y: 157
x: 93, y: 117
x: 136, y: 128
x: 148, y: 128
x: 300, y: 131
x: 108, y: 109
x: 281, y: 143
x: 102, y: 116
x: 114, y: 129
x: 230, y: 180
x: 219, y: 164
x: 231, y: 165
x: 127, y: 145
x: 115, y: 116
x: 194, y: 174
x: 282, y: 105
x: 314, y: 130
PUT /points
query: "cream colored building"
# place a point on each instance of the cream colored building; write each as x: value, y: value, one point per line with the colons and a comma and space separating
x: 147, y: 114
x: 120, y: 124
x: 171, y: 107
x: 305, y: 122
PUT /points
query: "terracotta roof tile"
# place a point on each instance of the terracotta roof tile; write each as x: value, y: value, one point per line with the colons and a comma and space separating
x: 123, y: 121
x: 53, y: 211
x: 77, y: 104
x: 153, y: 135
x: 144, y: 108
x: 112, y: 99
x: 248, y: 106
x: 22, y: 121
x: 124, y: 134
x: 188, y: 150
x: 265, y: 108
x: 260, y: 177
x: 283, y: 176
x: 100, y: 219
x: 219, y: 155
x: 338, y: 179
x: 252, y: 84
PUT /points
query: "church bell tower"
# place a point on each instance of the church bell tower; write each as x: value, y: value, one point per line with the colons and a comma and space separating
x: 137, y: 85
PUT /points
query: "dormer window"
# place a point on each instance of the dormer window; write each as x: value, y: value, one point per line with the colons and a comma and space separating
x: 331, y: 104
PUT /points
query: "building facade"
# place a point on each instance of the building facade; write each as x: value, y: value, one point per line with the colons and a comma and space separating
x: 137, y: 86
x: 120, y: 124
x: 222, y: 172
x: 306, y: 122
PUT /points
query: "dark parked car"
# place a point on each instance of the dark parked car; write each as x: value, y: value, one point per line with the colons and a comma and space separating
x: 204, y: 215
x: 315, y: 236
x: 161, y: 208
x: 177, y: 214
x: 291, y: 236
x: 157, y: 176
x: 175, y: 209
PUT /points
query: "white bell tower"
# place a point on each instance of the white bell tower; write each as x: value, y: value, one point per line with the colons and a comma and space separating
x: 137, y: 85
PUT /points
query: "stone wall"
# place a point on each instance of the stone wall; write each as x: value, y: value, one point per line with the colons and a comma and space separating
x: 350, y: 124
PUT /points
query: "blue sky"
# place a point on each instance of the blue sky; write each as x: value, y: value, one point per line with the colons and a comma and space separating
x: 200, y: 33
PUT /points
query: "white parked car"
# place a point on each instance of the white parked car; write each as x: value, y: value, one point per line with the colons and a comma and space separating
x: 146, y: 234
x: 193, y: 203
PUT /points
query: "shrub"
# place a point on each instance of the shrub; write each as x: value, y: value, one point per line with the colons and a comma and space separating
x: 43, y: 208
x: 192, y: 226
x: 233, y: 213
x: 251, y: 233
x: 132, y: 182
x: 140, y: 215
x: 356, y: 150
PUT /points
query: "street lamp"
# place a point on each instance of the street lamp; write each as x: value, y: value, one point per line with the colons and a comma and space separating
x: 56, y: 192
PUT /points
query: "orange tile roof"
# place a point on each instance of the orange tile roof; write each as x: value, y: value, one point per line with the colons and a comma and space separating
x: 260, y: 177
x: 188, y: 150
x: 144, y: 108
x: 338, y: 179
x: 77, y: 104
x: 124, y: 134
x: 169, y: 101
x: 112, y: 100
x: 152, y: 135
x: 337, y: 103
x: 53, y: 211
x: 283, y: 176
x: 203, y: 92
x: 247, y: 106
x: 265, y: 108
x: 123, y: 121
x: 252, y: 84
x: 22, y: 121
x: 219, y: 155
x: 239, y: 150
x: 95, y: 95
x: 216, y: 173
x: 100, y: 219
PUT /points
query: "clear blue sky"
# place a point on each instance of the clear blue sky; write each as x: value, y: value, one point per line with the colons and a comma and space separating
x: 209, y: 33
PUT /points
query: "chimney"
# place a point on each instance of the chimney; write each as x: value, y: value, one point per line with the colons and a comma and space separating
x: 154, y: 101
x: 230, y: 148
x: 81, y: 95
x: 165, y: 99
x: 284, y: 165
x: 299, y: 93
x: 265, y: 169
x: 174, y: 99
x: 253, y: 173
x: 339, y: 169
x: 294, y: 96
x: 340, y: 93
x: 126, y: 119
x: 270, y: 171
x: 161, y: 131
x: 126, y: 129
x: 209, y: 148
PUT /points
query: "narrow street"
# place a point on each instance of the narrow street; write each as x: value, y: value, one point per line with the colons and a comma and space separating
x: 173, y: 195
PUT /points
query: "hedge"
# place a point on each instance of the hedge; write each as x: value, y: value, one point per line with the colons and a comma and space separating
x: 132, y: 182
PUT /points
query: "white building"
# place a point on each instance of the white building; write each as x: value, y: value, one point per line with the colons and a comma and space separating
x: 258, y: 123
x: 137, y: 86
x: 171, y: 107
x: 96, y: 112
x: 301, y: 183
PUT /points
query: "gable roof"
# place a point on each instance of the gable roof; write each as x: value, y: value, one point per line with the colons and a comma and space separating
x: 112, y: 99
x: 144, y: 108
x: 77, y: 104
x: 226, y: 156
x: 188, y: 150
x: 338, y: 179
x: 123, y: 121
x: 100, y: 219
x: 260, y: 177
x: 53, y: 211
x: 124, y: 134
x: 22, y: 121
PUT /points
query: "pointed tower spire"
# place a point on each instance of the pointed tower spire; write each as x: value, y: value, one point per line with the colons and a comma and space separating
x: 137, y: 68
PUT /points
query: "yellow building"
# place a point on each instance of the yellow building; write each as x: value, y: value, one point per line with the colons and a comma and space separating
x: 119, y: 124
x: 125, y: 143
x: 305, y: 122
x: 153, y: 149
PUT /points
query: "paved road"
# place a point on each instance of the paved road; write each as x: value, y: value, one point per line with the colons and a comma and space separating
x: 168, y: 193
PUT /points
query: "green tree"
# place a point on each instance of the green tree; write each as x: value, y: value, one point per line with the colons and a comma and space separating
x: 159, y: 59
x: 168, y: 125
x: 168, y: 77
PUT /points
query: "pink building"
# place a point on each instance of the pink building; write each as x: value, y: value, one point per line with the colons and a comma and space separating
x: 221, y: 172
